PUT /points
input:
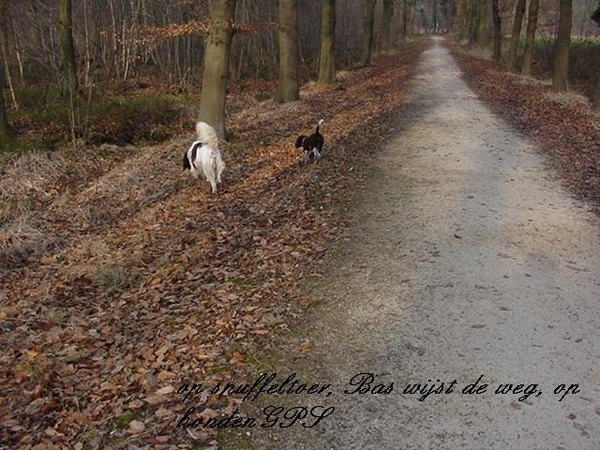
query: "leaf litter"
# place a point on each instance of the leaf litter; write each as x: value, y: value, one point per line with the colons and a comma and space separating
x: 123, y: 277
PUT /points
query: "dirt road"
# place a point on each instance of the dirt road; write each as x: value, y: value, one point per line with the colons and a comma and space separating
x: 466, y: 262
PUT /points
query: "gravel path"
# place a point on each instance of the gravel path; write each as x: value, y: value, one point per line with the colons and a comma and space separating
x: 466, y: 259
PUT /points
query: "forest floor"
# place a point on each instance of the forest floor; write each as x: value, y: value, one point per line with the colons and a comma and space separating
x: 123, y: 279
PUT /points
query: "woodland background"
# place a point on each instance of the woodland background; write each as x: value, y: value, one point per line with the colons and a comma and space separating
x: 137, y: 65
x: 121, y: 278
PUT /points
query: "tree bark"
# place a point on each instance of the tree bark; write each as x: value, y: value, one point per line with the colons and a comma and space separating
x: 368, y: 20
x: 326, y: 55
x: 481, y: 37
x: 563, y: 41
x: 511, y: 63
x: 288, y: 51
x: 5, y: 130
x: 386, y: 23
x: 405, y: 14
x: 597, y: 95
x: 67, y: 48
x: 472, y: 20
x: 461, y: 20
x: 530, y: 37
x: 216, y: 62
x: 497, y: 20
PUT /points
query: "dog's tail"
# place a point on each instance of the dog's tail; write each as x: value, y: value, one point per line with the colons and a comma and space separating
x: 207, y: 134
x: 319, y: 124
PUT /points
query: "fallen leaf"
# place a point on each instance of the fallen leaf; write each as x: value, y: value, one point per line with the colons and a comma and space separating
x: 136, y: 427
x: 165, y: 390
x: 198, y: 435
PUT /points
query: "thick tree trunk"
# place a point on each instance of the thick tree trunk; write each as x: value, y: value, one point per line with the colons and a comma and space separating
x: 67, y: 48
x: 288, y: 51
x: 368, y: 20
x: 563, y: 41
x: 497, y: 20
x: 513, y: 47
x: 216, y: 61
x: 326, y: 55
x: 530, y: 37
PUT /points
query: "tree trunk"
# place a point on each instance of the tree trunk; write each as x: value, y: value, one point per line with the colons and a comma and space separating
x: 288, y: 51
x: 513, y: 47
x: 481, y: 37
x: 461, y: 20
x: 5, y: 131
x: 368, y: 20
x: 216, y: 62
x: 67, y: 48
x: 386, y: 23
x: 530, y: 37
x: 497, y: 20
x: 472, y: 20
x: 597, y: 95
x: 563, y: 40
x: 405, y: 14
x: 326, y: 55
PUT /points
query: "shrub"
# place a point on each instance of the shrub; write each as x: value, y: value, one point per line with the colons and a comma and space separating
x: 45, y: 121
x: 584, y: 61
x: 132, y: 120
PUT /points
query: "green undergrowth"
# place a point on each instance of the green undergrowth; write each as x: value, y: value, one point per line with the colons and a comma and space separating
x: 44, y: 120
x: 584, y: 61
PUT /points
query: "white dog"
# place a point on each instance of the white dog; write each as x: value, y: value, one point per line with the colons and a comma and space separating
x: 204, y: 153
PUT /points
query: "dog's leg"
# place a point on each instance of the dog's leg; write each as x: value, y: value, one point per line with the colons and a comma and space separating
x: 306, y: 158
x: 212, y: 179
x: 220, y: 168
x: 209, y: 174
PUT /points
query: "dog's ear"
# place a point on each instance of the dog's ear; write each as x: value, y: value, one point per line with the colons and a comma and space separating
x: 300, y: 141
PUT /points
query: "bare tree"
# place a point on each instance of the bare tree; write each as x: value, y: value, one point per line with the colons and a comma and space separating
x: 596, y: 19
x: 288, y: 51
x: 530, y: 37
x: 386, y: 23
x: 216, y: 61
x: 4, y: 126
x: 563, y: 40
x: 326, y: 55
x: 497, y: 21
x: 481, y: 36
x: 461, y: 20
x: 67, y: 48
x: 513, y: 46
x: 368, y: 20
